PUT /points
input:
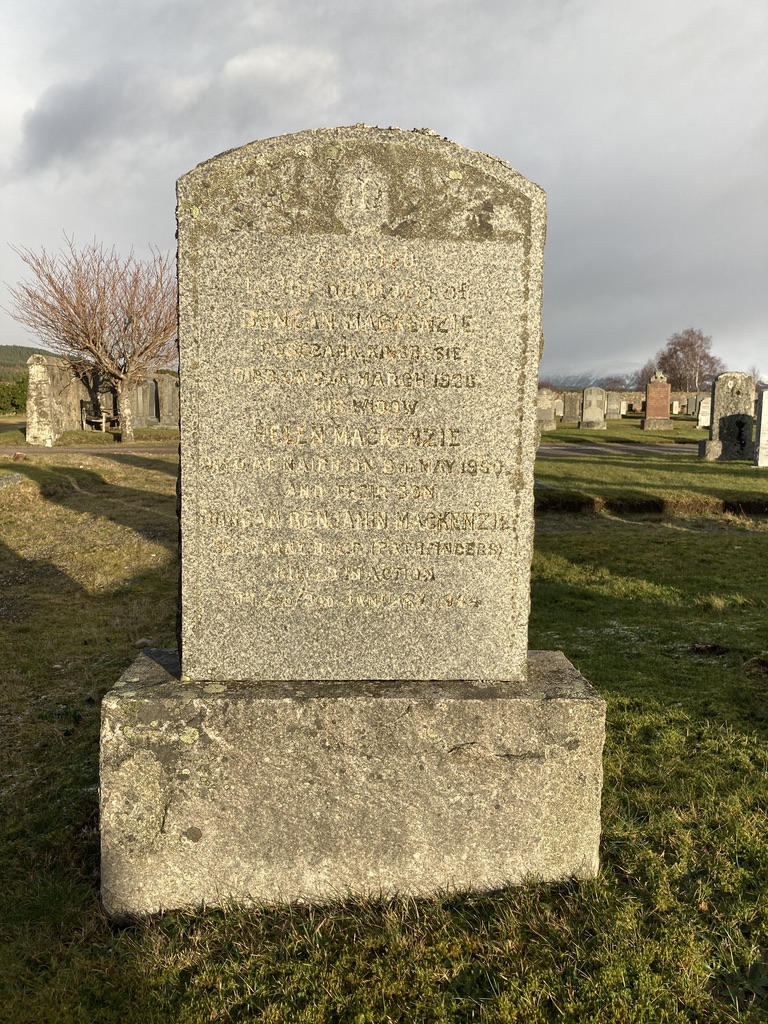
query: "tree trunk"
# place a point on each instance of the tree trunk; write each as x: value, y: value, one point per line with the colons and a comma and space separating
x: 125, y: 413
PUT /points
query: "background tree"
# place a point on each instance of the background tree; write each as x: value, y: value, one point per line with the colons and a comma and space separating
x: 687, y: 362
x: 643, y: 375
x: 13, y: 395
x: 103, y: 313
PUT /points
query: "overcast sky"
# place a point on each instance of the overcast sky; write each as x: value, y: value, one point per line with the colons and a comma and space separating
x: 643, y: 120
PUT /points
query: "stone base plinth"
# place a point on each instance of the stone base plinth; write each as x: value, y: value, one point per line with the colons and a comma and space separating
x: 593, y: 425
x: 710, y: 451
x: 251, y: 792
x: 716, y: 451
x: 657, y: 423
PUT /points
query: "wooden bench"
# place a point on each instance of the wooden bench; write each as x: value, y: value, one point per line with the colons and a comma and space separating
x: 96, y: 420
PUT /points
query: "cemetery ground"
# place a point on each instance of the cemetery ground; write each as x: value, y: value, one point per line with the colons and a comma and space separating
x: 649, y: 573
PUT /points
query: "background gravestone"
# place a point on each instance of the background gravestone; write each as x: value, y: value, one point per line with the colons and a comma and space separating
x: 572, y: 406
x: 613, y: 406
x: 732, y: 419
x: 593, y: 415
x: 761, y: 438
x: 545, y: 408
x: 657, y: 403
x: 357, y: 708
x: 704, y: 417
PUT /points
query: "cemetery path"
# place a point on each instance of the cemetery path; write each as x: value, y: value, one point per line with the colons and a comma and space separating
x: 547, y: 450
x: 560, y: 451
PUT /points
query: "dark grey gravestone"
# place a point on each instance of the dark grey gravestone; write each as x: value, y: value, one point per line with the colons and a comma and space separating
x: 732, y: 419
x: 364, y: 510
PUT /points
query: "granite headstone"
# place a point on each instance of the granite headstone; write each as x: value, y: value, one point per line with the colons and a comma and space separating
x: 572, y: 406
x: 593, y: 415
x: 732, y: 419
x: 546, y: 400
x: 704, y: 417
x: 356, y: 707
x: 613, y: 405
x: 658, y: 392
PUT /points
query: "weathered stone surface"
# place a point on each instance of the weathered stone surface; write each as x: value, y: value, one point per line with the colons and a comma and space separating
x: 572, y: 406
x: 56, y: 397
x: 280, y: 790
x: 546, y: 400
x: 357, y: 708
x: 613, y: 406
x: 50, y: 385
x: 593, y: 415
x: 705, y: 413
x: 733, y: 420
x: 761, y: 439
x: 365, y: 511
x: 658, y: 396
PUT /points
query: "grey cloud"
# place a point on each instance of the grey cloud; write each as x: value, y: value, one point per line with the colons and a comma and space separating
x: 80, y: 121
x: 642, y: 122
x: 72, y: 120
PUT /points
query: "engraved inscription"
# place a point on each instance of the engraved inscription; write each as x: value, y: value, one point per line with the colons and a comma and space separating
x: 353, y: 496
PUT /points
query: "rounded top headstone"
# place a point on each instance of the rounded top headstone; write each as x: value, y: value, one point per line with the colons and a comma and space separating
x: 362, y: 181
x: 359, y: 332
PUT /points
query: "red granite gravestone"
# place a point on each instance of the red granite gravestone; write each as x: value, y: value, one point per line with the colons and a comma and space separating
x: 657, y: 398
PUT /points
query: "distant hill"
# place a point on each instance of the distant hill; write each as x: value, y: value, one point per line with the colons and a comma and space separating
x: 13, y: 359
x: 621, y: 381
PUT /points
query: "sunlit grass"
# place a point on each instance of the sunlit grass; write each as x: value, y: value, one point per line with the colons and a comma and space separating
x: 664, y: 613
x: 677, y: 484
x: 627, y: 430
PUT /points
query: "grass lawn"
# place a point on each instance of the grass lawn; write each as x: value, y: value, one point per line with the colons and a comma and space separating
x: 628, y: 430
x: 658, y: 593
x: 13, y: 435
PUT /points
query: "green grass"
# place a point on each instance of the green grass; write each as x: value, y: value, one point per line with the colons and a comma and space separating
x: 671, y: 483
x: 107, y: 437
x: 627, y: 430
x: 664, y: 613
x: 13, y: 436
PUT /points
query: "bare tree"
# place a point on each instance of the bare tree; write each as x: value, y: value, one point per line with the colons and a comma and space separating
x: 757, y: 377
x: 103, y: 313
x: 687, y: 362
x: 643, y: 375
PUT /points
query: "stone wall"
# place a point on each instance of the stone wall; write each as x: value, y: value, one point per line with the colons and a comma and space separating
x: 57, y: 395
